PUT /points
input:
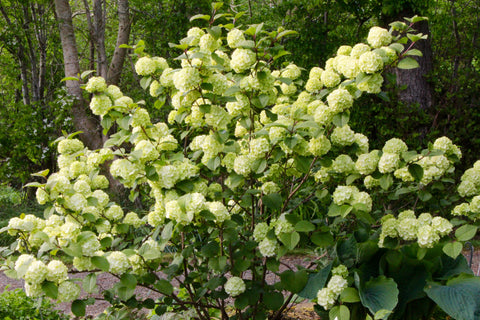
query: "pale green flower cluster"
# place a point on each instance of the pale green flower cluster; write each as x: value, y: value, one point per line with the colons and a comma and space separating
x: 378, y: 37
x: 327, y: 297
x: 242, y: 60
x: 96, y: 85
x: 425, y: 229
x: 351, y: 195
x: 145, y: 66
x: 35, y: 272
x: 234, y: 38
x: 234, y: 286
x: 267, y: 246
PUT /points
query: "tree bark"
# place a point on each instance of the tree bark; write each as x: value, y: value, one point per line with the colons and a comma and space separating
x: 99, y: 30
x: 83, y: 121
x: 123, y: 35
x: 418, y: 90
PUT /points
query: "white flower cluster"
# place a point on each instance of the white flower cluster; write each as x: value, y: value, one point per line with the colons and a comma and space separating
x: 425, y: 229
x: 235, y: 286
x: 352, y: 196
x: 268, y: 245
x: 327, y: 297
x: 35, y: 272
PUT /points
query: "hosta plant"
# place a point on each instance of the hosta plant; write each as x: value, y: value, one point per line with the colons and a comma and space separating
x: 247, y: 141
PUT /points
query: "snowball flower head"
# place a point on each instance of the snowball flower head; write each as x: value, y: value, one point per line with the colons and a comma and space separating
x: 337, y: 284
x: 118, y: 261
x: 378, y: 37
x: 145, y: 66
x: 330, y: 78
x: 57, y: 271
x: 195, y: 33
x: 36, y: 272
x: 234, y: 38
x: 442, y: 226
x: 186, y: 79
x: 395, y: 145
x: 69, y: 146
x: 68, y: 291
x: 427, y: 237
x: 234, y: 286
x: 370, y: 62
x: 326, y: 298
x: 96, y: 85
x: 242, y: 59
x: 340, y: 100
x: 267, y: 247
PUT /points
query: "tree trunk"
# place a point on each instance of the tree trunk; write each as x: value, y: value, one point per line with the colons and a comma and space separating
x: 418, y: 90
x: 99, y: 30
x: 124, y: 23
x: 83, y: 120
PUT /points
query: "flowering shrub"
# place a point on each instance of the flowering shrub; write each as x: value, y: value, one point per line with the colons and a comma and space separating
x: 243, y: 146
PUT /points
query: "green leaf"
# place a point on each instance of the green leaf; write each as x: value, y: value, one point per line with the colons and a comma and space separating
x: 211, y: 249
x: 290, y: 240
x: 273, y: 201
x: 69, y: 79
x: 90, y: 283
x: 42, y: 173
x: 241, y: 301
x: 408, y: 63
x: 339, y: 313
x: 453, y: 249
x: 86, y: 73
x: 101, y: 263
x: 416, y: 171
x: 167, y: 231
x: 73, y: 250
x: 78, y: 307
x: 424, y: 195
x: 50, y: 289
x: 349, y: 295
x: 460, y: 297
x: 304, y: 226
x: 341, y: 119
x: 379, y: 293
x: 414, y: 52
x: 164, y: 287
x: 382, y: 314
x: 315, y: 282
x: 322, y: 239
x: 294, y: 281
x: 386, y: 181
x: 397, y: 47
x: 145, y: 82
x: 466, y: 232
x: 273, y: 300
x: 200, y: 16
x: 128, y: 280
x: 34, y: 184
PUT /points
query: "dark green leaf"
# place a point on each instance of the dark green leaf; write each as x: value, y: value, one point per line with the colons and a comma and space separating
x: 164, y: 287
x: 416, y: 171
x: 101, y: 263
x: 379, y: 293
x: 78, y: 307
x: 316, y: 281
x: 460, y: 298
x: 50, y: 289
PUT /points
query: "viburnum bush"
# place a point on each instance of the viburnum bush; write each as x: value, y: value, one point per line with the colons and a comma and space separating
x: 246, y: 143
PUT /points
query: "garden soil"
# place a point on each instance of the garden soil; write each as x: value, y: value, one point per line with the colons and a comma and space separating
x: 302, y: 310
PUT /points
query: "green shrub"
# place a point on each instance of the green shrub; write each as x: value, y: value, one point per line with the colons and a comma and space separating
x: 15, y: 305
